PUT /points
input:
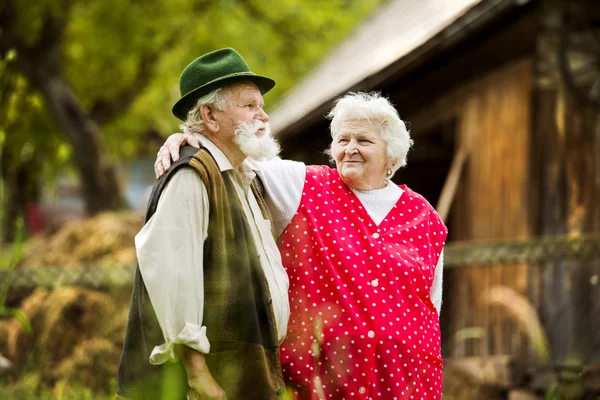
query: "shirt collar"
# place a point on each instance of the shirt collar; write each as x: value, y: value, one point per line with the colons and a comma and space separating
x: 247, y: 167
x: 220, y: 157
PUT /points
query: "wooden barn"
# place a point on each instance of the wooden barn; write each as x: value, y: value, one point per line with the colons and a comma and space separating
x: 502, y: 98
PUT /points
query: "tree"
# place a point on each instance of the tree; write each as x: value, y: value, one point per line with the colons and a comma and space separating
x: 107, y: 70
x: 37, y: 33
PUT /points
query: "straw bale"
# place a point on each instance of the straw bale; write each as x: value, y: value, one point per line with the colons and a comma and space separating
x: 61, y: 319
x: 106, y: 239
x: 77, y: 332
x: 18, y: 340
x: 5, y: 365
x: 93, y: 363
x: 3, y: 337
x: 115, y: 330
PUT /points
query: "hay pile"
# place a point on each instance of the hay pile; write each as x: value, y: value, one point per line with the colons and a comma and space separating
x: 77, y: 336
x: 77, y: 332
x: 107, y: 239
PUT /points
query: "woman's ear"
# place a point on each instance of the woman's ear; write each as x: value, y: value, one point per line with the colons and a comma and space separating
x: 208, y: 117
x: 391, y: 163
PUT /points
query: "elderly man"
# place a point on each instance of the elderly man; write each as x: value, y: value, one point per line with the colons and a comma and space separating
x: 210, y: 288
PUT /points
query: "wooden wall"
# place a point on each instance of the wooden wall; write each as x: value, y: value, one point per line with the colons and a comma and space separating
x: 493, y: 122
x: 566, y: 171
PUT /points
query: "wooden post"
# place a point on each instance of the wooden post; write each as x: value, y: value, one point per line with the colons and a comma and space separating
x: 565, y: 198
x: 451, y: 184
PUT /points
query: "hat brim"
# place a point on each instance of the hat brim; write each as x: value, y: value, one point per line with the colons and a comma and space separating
x: 183, y: 105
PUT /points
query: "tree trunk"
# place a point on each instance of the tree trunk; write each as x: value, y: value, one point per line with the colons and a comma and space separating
x: 99, y: 185
x: 17, y: 192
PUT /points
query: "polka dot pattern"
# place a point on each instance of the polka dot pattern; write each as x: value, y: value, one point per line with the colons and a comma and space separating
x: 362, y: 323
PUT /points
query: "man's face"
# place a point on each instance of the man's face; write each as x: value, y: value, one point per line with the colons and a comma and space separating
x: 245, y: 105
x: 246, y: 124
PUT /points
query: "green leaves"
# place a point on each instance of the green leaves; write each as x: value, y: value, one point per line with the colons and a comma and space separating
x: 8, y: 262
x: 18, y: 315
x: 123, y: 59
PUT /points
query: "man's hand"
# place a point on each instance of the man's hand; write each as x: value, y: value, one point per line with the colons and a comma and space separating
x: 205, y: 388
x: 170, y: 151
x: 203, y: 385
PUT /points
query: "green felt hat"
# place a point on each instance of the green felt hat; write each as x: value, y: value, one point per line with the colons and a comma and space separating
x: 212, y: 71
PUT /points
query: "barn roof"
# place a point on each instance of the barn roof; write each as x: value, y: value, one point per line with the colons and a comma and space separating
x: 398, y: 31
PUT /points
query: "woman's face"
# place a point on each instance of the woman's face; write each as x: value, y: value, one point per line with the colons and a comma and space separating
x: 360, y: 154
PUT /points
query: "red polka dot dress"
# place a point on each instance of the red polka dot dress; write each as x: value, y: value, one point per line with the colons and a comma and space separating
x: 362, y: 324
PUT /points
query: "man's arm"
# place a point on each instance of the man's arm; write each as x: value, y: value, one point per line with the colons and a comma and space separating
x: 169, y: 249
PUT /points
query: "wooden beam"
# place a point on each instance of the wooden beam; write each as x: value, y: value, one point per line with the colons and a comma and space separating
x: 451, y: 184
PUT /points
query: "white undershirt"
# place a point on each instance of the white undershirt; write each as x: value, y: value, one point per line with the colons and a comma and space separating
x: 379, y: 202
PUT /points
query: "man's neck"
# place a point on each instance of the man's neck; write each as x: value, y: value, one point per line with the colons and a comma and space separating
x: 230, y: 150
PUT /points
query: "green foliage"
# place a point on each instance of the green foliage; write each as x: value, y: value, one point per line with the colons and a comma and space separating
x: 29, y: 132
x: 30, y: 17
x: 8, y: 262
x: 128, y: 54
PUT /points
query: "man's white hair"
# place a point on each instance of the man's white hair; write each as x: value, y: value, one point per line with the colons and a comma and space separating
x: 374, y: 107
x: 218, y: 99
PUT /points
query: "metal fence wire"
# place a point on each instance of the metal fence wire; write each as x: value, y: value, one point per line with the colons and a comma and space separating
x: 534, y: 250
x: 87, y: 276
x: 456, y: 255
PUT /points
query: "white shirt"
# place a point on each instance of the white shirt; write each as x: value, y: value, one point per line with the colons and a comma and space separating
x: 170, y: 253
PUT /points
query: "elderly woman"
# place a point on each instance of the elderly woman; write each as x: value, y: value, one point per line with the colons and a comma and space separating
x: 364, y: 258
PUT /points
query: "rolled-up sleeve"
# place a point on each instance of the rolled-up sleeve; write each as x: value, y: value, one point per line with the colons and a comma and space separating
x: 170, y: 254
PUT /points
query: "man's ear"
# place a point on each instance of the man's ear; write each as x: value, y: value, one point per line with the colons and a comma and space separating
x: 208, y: 117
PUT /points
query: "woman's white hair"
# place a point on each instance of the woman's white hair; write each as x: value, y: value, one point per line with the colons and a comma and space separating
x: 217, y: 98
x: 374, y: 107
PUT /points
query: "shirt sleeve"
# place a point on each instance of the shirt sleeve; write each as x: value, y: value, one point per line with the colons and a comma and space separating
x: 436, y: 287
x: 170, y: 252
x: 283, y: 181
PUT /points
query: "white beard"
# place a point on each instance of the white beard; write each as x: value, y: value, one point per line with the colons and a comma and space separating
x: 259, y: 148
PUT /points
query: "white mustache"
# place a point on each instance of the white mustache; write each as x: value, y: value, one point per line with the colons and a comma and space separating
x: 262, y: 147
x: 255, y: 126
